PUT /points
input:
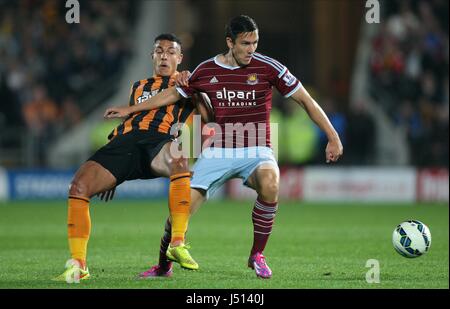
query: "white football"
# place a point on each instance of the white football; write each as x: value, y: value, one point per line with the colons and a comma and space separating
x: 411, y: 238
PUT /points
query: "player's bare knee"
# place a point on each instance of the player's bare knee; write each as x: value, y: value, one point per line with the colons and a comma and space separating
x: 268, y: 185
x: 178, y: 166
x: 269, y: 191
x: 78, y: 188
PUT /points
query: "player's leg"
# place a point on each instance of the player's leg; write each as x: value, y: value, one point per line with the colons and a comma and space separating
x: 209, y: 174
x: 265, y: 180
x: 164, y: 266
x: 90, y: 179
x: 179, y: 199
x: 177, y: 170
x: 197, y: 199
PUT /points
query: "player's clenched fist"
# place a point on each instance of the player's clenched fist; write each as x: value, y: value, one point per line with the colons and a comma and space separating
x: 334, y: 150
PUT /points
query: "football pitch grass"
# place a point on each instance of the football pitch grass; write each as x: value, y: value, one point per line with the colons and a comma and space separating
x: 313, y: 245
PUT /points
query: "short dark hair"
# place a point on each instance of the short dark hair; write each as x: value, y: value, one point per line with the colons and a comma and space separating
x: 239, y: 24
x: 169, y: 37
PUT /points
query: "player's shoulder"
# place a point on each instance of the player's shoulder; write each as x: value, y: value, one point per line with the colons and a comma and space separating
x: 208, y: 63
x: 269, y: 62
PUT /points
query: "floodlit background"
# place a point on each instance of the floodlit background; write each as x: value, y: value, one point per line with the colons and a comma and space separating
x: 383, y: 85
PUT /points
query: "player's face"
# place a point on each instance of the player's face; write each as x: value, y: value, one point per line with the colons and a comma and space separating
x: 244, y: 46
x: 166, y: 57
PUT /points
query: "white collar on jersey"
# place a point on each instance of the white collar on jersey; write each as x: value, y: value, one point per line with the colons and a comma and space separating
x: 216, y: 61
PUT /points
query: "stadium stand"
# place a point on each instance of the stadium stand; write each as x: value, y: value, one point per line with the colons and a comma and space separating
x: 409, y: 75
x: 49, y: 68
x: 67, y: 73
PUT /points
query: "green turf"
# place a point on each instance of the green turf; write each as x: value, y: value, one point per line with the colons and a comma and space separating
x: 312, y: 246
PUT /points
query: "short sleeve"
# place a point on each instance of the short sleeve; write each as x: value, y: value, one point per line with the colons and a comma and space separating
x: 132, y: 92
x: 279, y: 76
x: 286, y: 83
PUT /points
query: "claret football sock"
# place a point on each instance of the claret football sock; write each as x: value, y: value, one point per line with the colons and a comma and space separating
x: 263, y: 216
x: 79, y: 227
x: 165, y: 241
x: 179, y: 205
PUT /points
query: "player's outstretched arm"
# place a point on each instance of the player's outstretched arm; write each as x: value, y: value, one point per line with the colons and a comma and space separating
x: 334, y: 148
x: 166, y: 97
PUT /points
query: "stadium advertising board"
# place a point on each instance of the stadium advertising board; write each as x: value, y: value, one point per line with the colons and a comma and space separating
x: 142, y: 189
x: 340, y: 185
x: 51, y: 184
x: 360, y: 184
x: 308, y: 184
x: 432, y: 185
x: 38, y: 184
x: 3, y: 184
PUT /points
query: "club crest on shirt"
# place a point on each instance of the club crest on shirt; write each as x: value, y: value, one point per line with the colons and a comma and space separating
x: 252, y: 79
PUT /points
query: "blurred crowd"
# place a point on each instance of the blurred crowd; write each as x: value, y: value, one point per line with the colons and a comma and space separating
x: 48, y: 66
x: 301, y: 142
x: 409, y: 67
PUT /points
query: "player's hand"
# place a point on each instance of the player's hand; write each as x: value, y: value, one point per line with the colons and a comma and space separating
x: 107, y: 195
x: 182, y: 79
x: 334, y: 150
x: 117, y: 112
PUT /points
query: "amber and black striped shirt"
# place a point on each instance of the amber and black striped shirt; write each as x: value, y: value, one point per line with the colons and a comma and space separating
x: 157, y: 120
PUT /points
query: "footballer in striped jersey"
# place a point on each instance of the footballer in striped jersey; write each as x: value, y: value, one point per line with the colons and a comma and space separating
x: 138, y: 149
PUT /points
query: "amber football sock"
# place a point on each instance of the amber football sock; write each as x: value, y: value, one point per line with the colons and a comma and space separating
x: 179, y: 204
x: 79, y: 227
